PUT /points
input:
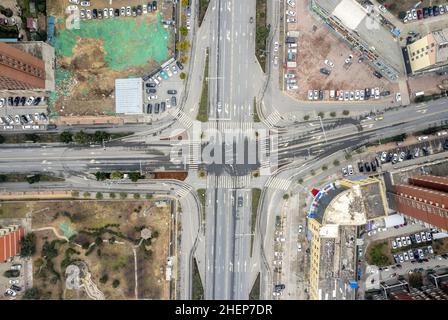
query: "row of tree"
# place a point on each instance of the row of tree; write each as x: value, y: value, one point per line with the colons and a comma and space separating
x: 117, y: 175
x: 82, y: 137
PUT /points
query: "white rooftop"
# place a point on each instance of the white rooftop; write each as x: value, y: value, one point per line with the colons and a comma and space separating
x: 129, y: 96
x: 350, y: 13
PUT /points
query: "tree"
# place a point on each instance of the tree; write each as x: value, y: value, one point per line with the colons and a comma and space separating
x: 402, y: 15
x: 28, y: 245
x: 183, y: 59
x: 321, y: 114
x: 86, y: 194
x: 136, y: 196
x: 116, y: 175
x: 392, y: 7
x: 101, y: 176
x: 324, y: 167
x: 31, y: 294
x: 81, y: 137
x: 99, y: 196
x: 112, y: 195
x: 306, y: 117
x: 345, y: 112
x: 115, y: 283
x: 123, y: 195
x: 98, y: 241
x: 185, y: 3
x: 75, y: 194
x: 66, y: 137
x: 285, y: 196
x: 415, y: 280
x: 312, y: 172
x: 333, y: 114
x: 336, y: 162
x: 11, y: 273
x: 104, y: 278
x: 183, y: 45
x: 134, y: 176
x: 100, y: 136
x: 148, y: 196
x: 182, y: 75
x: 183, y: 31
x: 33, y: 178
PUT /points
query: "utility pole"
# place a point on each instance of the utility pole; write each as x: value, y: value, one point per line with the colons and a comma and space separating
x: 323, y: 130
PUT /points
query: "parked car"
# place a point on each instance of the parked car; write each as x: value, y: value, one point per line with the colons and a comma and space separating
x: 350, y: 169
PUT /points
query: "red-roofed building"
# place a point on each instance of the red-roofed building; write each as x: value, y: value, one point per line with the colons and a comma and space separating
x: 10, y: 238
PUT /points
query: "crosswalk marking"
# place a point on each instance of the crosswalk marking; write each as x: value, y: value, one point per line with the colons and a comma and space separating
x: 274, y: 118
x: 194, y: 155
x: 183, y: 118
x: 183, y: 191
x: 229, y: 125
x: 278, y: 183
x: 228, y: 182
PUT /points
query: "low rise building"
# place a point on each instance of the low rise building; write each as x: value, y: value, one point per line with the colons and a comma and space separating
x: 428, y: 54
x: 424, y: 198
x: 10, y: 238
x: 333, y: 218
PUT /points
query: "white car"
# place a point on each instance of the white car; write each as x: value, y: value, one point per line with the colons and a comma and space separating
x: 174, y: 68
x: 414, y: 14
x: 291, y: 3
x: 10, y: 292
x: 106, y: 13
x: 290, y: 13
x: 72, y: 7
x: 299, y: 247
x: 168, y: 71
x: 14, y: 281
x: 188, y: 23
x: 2, y: 102
x: 329, y: 63
x: 145, y: 9
x: 29, y: 101
x: 111, y: 12
x: 89, y: 14
x: 275, y: 61
x: 74, y: 1
x: 291, y: 20
x: 310, y: 94
x: 122, y: 11
x: 128, y: 11
x: 300, y: 228
x: 377, y: 93
x: 276, y: 46
x: 344, y: 171
x: 398, y: 97
x: 290, y: 76
x: 394, y: 244
x: 406, y: 257
x: 431, y: 251
x: 152, y: 97
x: 356, y: 94
x: 350, y: 169
x: 85, y: 4
x: 382, y: 8
x: 422, y: 138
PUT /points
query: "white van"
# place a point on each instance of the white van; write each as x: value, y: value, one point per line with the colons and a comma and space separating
x: 155, y: 80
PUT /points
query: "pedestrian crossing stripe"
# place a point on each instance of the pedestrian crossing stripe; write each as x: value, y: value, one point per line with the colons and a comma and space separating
x: 278, y: 183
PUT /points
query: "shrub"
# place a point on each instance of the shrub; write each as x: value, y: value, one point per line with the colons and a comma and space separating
x: 332, y: 114
x: 112, y: 195
x: 306, y: 117
x: 99, y: 195
x: 285, y: 196
x: 182, y: 75
x: 123, y: 195
x: 324, y: 167
x: 86, y: 194
x: 345, y: 112
x: 136, y: 195
x: 115, y: 283
x: 104, y: 278
x: 336, y: 162
x: 321, y: 114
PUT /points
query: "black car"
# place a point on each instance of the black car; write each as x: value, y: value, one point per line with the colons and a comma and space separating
x: 172, y: 92
x: 385, y: 93
x: 360, y: 167
x: 173, y: 101
x: 430, y: 12
x: 17, y: 101
x: 240, y: 201
x: 139, y: 10
x: 23, y: 119
x: 373, y: 164
x: 325, y: 71
x: 321, y: 94
x: 367, y: 165
x: 11, y: 101
x: 149, y: 108
x: 279, y: 287
x: 150, y: 85
x: 162, y: 106
x: 134, y: 11
x: 94, y: 13
x: 425, y: 13
x: 445, y: 144
x: 377, y: 74
x: 37, y: 101
x: 367, y: 93
x: 151, y: 90
x: 23, y: 100
x: 179, y: 65
x: 149, y: 7
x: 426, y: 151
x: 100, y: 14
x: 16, y: 288
x: 156, y: 108
x: 436, y: 10
x: 409, y: 155
x: 154, y: 5
x: 117, y: 12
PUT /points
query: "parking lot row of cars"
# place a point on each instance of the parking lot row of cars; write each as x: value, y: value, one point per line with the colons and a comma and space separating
x: 356, y: 95
x: 426, y: 12
x: 14, y: 282
x: 419, y: 254
x: 416, y: 238
x: 21, y: 101
x: 105, y: 13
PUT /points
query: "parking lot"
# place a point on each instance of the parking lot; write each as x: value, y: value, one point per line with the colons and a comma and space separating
x: 6, y: 289
x: 23, y: 111
x: 163, y: 90
x: 325, y: 63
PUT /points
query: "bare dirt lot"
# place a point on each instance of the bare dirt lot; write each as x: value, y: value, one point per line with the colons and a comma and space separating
x: 315, y: 44
x: 103, y: 235
x: 90, y: 58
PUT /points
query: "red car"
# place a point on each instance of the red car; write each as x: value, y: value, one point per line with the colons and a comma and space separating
x: 420, y: 14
